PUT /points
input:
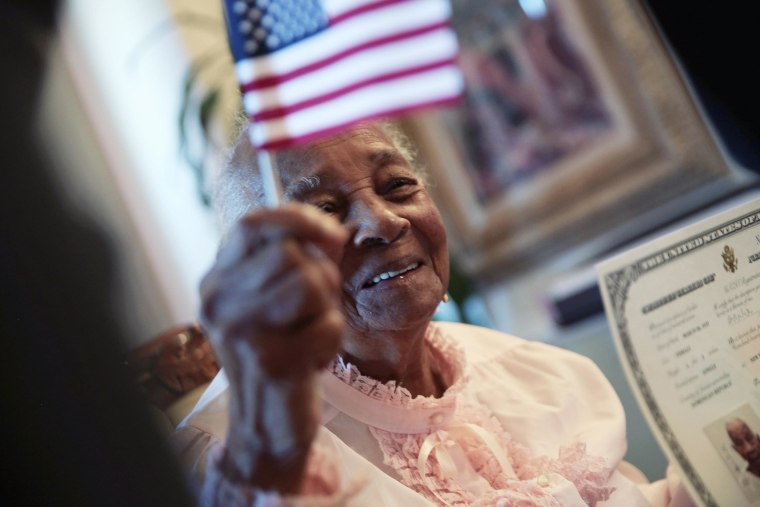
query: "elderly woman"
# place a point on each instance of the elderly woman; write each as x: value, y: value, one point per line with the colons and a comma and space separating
x: 746, y: 443
x: 338, y: 389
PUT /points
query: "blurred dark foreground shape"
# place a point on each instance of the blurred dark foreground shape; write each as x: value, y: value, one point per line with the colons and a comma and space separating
x: 75, y: 429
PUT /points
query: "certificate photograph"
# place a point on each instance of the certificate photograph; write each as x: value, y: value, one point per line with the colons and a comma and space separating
x: 735, y: 437
x: 683, y: 310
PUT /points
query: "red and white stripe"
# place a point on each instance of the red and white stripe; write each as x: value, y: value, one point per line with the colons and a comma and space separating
x: 377, y: 58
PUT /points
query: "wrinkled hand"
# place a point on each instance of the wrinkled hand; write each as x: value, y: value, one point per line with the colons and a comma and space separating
x: 185, y: 361
x: 271, y: 308
x: 274, y: 292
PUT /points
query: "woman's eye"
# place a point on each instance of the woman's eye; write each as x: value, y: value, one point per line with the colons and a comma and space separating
x: 401, y: 186
x: 327, y: 207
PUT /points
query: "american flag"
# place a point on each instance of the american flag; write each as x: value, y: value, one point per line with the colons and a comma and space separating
x: 308, y: 67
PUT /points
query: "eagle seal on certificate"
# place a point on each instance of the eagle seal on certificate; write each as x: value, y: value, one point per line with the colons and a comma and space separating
x: 730, y: 262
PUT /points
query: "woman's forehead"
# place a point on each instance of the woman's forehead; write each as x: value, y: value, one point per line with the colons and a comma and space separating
x: 365, y: 134
x: 296, y: 162
x: 738, y: 429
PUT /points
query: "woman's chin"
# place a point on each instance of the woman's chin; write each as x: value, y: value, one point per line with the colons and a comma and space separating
x: 396, y: 306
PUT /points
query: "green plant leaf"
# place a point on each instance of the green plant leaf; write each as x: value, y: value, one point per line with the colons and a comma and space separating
x: 207, y: 110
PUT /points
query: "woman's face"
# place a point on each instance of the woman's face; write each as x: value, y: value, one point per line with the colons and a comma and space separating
x: 395, y: 266
x: 744, y: 440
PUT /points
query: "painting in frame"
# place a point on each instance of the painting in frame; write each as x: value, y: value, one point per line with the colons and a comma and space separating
x: 575, y: 122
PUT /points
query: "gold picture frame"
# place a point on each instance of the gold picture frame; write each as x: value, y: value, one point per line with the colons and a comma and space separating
x: 576, y: 120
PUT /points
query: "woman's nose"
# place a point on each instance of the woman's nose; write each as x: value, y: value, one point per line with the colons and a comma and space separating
x: 374, y: 223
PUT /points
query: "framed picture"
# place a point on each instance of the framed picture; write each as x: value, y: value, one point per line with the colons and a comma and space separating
x: 576, y: 120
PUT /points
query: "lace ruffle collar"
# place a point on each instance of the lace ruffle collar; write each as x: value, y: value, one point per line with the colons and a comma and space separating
x: 389, y: 405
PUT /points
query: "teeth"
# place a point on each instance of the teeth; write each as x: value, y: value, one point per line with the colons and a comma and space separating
x: 390, y: 274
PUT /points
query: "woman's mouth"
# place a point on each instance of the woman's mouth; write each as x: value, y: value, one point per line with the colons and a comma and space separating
x: 390, y: 274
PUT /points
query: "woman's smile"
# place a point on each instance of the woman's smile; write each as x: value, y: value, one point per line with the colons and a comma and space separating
x: 389, y: 275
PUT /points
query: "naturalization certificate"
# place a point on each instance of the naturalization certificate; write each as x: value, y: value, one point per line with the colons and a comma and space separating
x: 684, y: 310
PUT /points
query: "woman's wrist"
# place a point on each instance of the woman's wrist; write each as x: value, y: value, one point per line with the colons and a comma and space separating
x: 282, y: 473
x: 272, y: 426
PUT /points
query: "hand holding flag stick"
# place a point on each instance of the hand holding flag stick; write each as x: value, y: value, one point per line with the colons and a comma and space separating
x: 308, y: 68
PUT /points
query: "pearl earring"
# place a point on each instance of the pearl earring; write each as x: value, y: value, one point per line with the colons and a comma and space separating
x: 446, y: 298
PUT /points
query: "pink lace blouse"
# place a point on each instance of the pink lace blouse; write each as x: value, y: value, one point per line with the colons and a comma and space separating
x: 522, y: 423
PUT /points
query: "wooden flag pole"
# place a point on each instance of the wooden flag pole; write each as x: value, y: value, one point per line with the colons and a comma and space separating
x: 270, y: 177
